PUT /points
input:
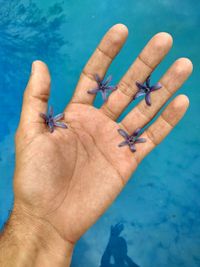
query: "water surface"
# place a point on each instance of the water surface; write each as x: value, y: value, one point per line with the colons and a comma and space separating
x: 160, y: 207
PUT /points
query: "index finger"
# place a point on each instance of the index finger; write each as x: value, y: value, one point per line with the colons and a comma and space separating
x: 99, y: 62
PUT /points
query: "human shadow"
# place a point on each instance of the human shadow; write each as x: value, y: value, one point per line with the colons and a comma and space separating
x: 116, y: 252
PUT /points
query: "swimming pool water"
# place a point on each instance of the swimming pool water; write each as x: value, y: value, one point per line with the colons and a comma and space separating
x: 160, y: 207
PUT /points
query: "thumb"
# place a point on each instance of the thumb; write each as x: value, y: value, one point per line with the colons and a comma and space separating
x: 35, y: 99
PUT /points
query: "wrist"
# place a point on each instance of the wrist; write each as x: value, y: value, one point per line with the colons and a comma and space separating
x: 34, y: 242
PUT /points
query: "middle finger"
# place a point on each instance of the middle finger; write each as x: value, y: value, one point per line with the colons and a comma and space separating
x: 146, y: 62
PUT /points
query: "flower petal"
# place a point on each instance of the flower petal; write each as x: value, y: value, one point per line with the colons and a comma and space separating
x: 123, y: 133
x: 93, y: 91
x: 124, y: 143
x: 132, y: 148
x: 112, y: 88
x: 44, y: 116
x: 138, y: 94
x: 51, y: 111
x: 97, y: 78
x: 104, y: 95
x: 51, y: 126
x: 58, y: 117
x: 141, y: 86
x: 61, y: 125
x: 148, y: 99
x: 155, y: 87
x: 148, y: 81
x: 108, y: 80
x: 136, y: 132
x: 140, y: 140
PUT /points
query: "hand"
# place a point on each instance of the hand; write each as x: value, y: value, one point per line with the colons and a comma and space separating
x: 68, y: 178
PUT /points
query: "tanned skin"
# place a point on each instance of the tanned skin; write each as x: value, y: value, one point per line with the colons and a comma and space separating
x: 65, y: 180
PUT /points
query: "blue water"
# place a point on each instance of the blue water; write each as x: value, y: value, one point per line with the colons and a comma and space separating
x: 160, y: 207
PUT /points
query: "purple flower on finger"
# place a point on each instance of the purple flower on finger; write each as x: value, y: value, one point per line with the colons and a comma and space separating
x: 146, y: 89
x: 53, y: 121
x: 102, y: 86
x: 131, y: 140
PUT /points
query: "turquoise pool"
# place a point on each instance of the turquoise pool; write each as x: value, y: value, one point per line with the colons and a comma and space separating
x: 160, y: 207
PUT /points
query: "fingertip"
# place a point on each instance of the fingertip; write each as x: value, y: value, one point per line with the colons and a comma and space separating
x: 163, y: 40
x: 181, y: 102
x: 39, y: 66
x: 118, y: 33
x: 164, y: 37
x: 114, y: 40
x: 156, y: 49
x: 186, y: 64
x: 121, y: 28
x: 176, y: 109
x: 40, y: 71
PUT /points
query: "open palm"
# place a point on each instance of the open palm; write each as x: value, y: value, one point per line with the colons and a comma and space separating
x: 69, y: 177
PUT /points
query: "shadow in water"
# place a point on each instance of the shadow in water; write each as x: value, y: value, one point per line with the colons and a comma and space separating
x: 116, y: 252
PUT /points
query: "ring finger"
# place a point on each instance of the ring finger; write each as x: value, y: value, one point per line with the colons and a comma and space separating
x: 153, y: 53
x: 171, y: 82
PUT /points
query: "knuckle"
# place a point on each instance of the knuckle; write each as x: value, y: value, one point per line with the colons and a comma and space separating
x: 126, y: 89
x: 151, y: 136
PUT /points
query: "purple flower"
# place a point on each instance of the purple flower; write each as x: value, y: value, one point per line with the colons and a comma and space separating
x: 53, y: 121
x: 131, y: 140
x: 102, y: 86
x: 146, y: 89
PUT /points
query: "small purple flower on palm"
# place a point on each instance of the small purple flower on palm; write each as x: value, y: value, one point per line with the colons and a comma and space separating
x: 102, y: 86
x: 131, y: 140
x: 146, y: 89
x: 53, y: 121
